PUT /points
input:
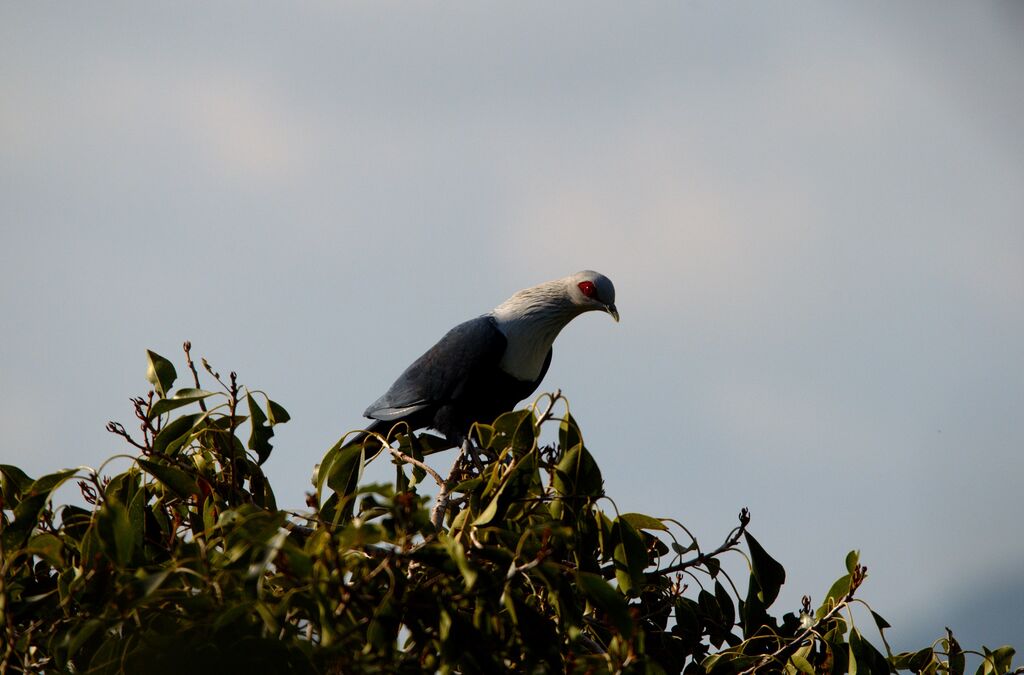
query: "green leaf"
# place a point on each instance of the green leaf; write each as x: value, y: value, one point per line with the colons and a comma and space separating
x: 577, y: 475
x: 345, y: 470
x: 708, y: 664
x: 957, y: 661
x: 836, y: 593
x: 514, y: 484
x: 714, y: 617
x: 160, y: 373
x: 484, y: 434
x: 277, y: 413
x: 607, y: 599
x: 641, y: 521
x: 269, y: 620
x: 725, y: 604
x: 172, y: 436
x: 30, y: 507
x: 490, y: 511
x: 137, y: 514
x: 630, y: 557
x: 852, y: 558
x: 458, y: 554
x: 416, y: 452
x: 569, y: 433
x: 181, y: 398
x: 50, y: 482
x: 381, y: 632
x: 176, y: 480
x: 14, y: 482
x: 514, y: 430
x: 81, y: 633
x: 768, y: 573
x: 124, y: 534
x: 431, y: 443
x: 679, y: 549
x: 1002, y: 658
x: 987, y: 664
x: 916, y: 661
x: 868, y: 658
x: 801, y: 664
x: 48, y: 547
x: 148, y: 583
x: 409, y: 444
x: 603, y: 529
x: 260, y: 435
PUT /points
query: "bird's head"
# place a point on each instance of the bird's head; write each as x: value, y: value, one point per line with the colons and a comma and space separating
x: 591, y: 290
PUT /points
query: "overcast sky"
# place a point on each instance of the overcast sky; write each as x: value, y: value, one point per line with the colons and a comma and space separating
x: 813, y: 214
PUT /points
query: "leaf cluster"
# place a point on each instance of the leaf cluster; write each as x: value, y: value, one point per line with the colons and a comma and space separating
x: 183, y: 561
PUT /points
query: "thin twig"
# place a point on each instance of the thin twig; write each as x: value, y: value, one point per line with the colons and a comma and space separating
x: 730, y: 542
x: 118, y: 429
x: 546, y: 415
x: 514, y: 569
x: 415, y: 462
x: 195, y: 373
x: 437, y: 513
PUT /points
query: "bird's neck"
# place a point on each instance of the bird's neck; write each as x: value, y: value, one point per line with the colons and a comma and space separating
x: 530, y: 321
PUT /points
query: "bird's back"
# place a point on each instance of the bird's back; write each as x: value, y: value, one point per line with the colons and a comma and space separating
x: 456, y: 382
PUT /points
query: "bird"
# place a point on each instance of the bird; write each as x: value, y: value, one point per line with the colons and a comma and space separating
x: 484, y: 366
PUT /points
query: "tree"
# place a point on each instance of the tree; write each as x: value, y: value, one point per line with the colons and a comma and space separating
x: 183, y: 562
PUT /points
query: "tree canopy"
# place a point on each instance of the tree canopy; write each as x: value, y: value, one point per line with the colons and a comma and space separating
x: 515, y: 561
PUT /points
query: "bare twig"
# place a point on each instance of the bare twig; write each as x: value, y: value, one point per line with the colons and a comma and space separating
x: 415, y: 462
x: 437, y: 513
x: 730, y: 542
x: 546, y: 415
x: 195, y: 374
x: 118, y: 429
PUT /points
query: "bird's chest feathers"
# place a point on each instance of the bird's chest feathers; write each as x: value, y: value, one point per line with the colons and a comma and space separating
x: 527, y: 349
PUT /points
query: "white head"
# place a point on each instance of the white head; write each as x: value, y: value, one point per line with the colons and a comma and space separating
x: 532, y: 318
x: 590, y: 290
x: 561, y: 300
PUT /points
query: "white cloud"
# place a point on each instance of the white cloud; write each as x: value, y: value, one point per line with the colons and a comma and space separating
x: 241, y: 126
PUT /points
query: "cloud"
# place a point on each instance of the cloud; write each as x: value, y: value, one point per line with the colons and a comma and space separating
x: 226, y: 124
x: 242, y: 127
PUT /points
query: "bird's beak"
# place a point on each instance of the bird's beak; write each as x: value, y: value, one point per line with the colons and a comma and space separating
x: 614, y: 312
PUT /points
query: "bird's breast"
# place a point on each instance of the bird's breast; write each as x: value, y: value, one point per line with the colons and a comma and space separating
x: 527, y: 350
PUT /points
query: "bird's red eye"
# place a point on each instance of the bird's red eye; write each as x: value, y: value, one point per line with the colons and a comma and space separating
x: 587, y: 288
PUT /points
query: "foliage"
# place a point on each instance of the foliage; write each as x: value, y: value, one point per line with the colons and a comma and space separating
x: 184, y: 562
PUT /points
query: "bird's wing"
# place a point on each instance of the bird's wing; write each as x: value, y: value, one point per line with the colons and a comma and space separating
x: 439, y: 375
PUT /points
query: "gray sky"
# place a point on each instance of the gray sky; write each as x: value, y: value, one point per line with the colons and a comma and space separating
x: 813, y: 214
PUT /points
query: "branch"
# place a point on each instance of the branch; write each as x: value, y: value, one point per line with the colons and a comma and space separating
x: 192, y: 366
x: 444, y: 494
x: 546, y: 415
x: 701, y: 558
x: 859, y: 573
x: 415, y: 462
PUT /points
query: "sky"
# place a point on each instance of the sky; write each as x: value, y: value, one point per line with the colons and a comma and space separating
x: 813, y: 214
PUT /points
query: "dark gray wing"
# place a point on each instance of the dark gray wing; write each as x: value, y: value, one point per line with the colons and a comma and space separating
x: 437, y: 376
